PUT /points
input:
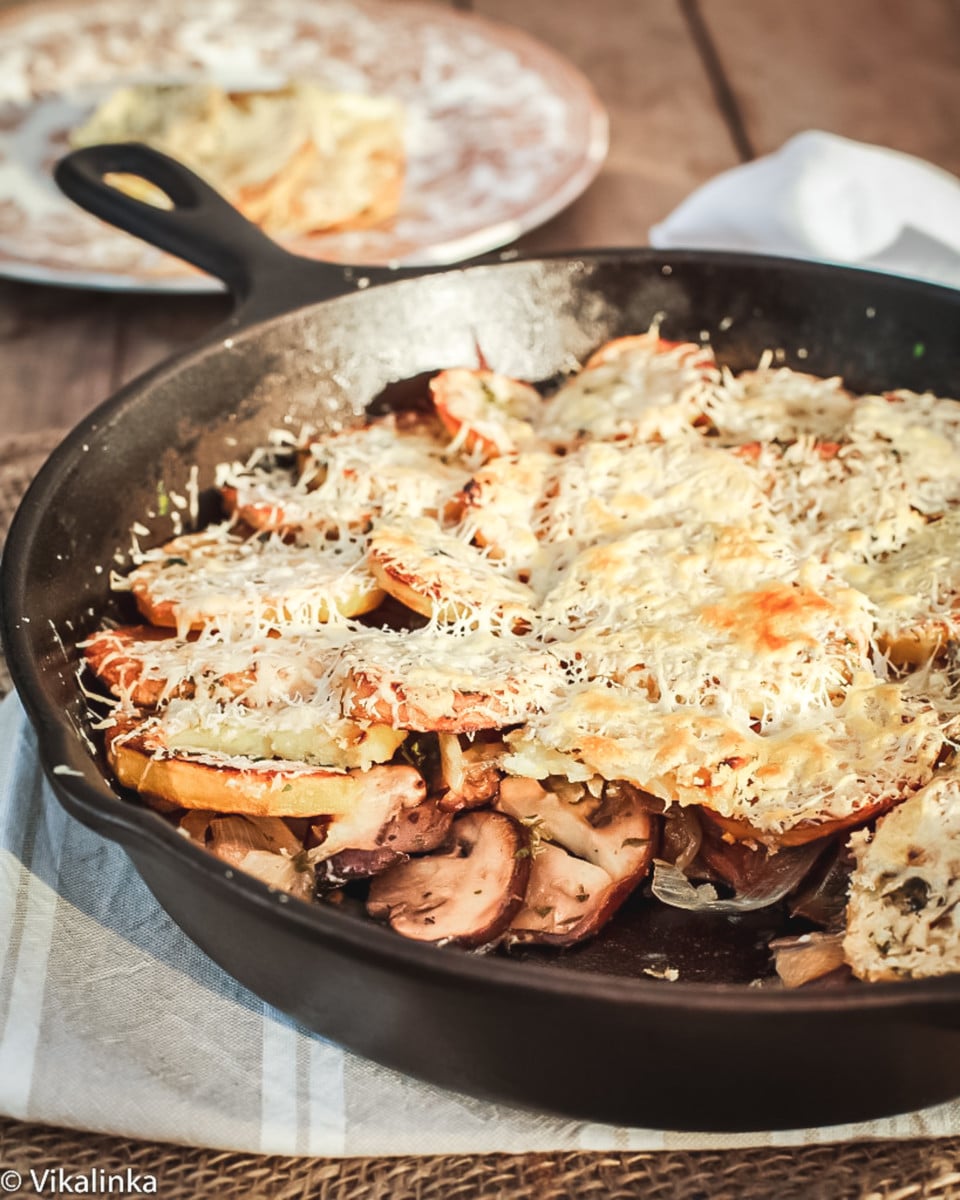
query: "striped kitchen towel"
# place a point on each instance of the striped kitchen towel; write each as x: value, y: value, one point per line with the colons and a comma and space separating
x: 111, y: 1020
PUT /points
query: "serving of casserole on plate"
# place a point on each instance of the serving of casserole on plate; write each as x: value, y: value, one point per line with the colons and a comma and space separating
x: 497, y: 132
x: 492, y: 664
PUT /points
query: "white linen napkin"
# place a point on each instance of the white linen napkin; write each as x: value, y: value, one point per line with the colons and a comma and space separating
x: 828, y: 198
x: 112, y: 1020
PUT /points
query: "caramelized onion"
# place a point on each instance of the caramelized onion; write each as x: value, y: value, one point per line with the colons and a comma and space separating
x: 810, y: 956
x: 823, y: 897
x: 681, y: 837
x: 781, y: 873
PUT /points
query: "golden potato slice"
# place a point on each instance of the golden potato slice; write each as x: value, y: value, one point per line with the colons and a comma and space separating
x: 140, y: 664
x: 841, y: 764
x: 502, y: 505
x: 780, y: 404
x: 639, y: 388
x: 218, y: 578
x: 441, y: 576
x: 390, y: 468
x: 272, y: 788
x: 916, y: 590
x: 437, y: 679
x: 486, y: 412
x: 310, y: 733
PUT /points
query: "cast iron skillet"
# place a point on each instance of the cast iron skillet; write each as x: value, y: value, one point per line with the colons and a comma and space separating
x: 587, y: 1033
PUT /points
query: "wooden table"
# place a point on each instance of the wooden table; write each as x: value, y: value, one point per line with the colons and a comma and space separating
x: 693, y: 87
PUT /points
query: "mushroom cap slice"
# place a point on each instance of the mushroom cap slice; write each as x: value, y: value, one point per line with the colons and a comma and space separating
x: 471, y: 774
x: 567, y: 900
x: 590, y: 854
x: 615, y: 831
x: 467, y: 892
x: 406, y: 831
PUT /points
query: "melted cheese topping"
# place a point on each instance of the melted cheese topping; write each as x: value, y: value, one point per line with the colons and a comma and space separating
x: 875, y: 747
x: 903, y: 917
x: 447, y: 677
x: 844, y: 502
x: 684, y: 581
x: 916, y: 590
x: 380, y: 470
x: 923, y: 432
x: 778, y: 404
x: 490, y: 413
x: 441, y: 575
x: 260, y: 582
x: 637, y: 388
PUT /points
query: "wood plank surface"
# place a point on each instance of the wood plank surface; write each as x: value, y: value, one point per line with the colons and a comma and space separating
x: 881, y: 71
x: 64, y: 350
x: 57, y: 349
x: 666, y: 133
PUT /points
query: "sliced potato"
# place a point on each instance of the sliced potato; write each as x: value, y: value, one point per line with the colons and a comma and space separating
x: 298, y: 733
x: 447, y: 680
x: 638, y: 388
x: 393, y: 467
x: 441, y: 576
x: 486, y: 412
x: 217, y: 578
x: 130, y: 661
x: 260, y: 789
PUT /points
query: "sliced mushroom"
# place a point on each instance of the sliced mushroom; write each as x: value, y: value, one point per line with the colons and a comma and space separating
x: 465, y: 893
x: 567, y: 900
x: 348, y: 865
x: 471, y: 775
x: 411, y: 831
x: 614, y: 830
x: 391, y: 792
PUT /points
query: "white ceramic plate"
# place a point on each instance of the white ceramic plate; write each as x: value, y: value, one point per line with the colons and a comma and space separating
x: 502, y: 132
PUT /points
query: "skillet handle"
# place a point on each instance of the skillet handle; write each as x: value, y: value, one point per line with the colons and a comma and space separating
x: 202, y: 228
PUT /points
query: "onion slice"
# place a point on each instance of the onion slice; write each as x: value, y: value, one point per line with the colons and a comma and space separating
x: 782, y: 874
x: 801, y: 960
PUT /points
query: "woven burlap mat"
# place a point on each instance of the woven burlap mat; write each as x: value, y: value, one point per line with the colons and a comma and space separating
x: 885, y: 1171
x: 888, y: 1170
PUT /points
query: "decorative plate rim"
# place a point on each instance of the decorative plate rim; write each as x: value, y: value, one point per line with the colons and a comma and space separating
x: 459, y: 246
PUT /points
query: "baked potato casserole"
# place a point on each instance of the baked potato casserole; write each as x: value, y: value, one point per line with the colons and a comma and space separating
x: 496, y: 662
